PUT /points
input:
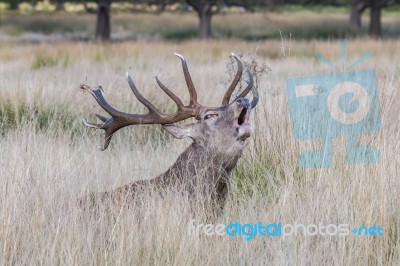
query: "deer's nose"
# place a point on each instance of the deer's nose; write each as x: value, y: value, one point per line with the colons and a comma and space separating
x: 243, y: 102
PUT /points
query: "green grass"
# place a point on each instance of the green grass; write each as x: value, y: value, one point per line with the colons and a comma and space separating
x: 72, y: 24
x: 311, y: 9
x: 179, y: 33
x: 49, y: 119
x: 44, y: 61
x: 314, y: 22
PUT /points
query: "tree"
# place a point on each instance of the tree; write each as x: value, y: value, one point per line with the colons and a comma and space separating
x: 103, y: 24
x: 375, y: 26
x: 103, y: 16
x: 204, y: 11
x: 103, y: 20
x: 357, y: 7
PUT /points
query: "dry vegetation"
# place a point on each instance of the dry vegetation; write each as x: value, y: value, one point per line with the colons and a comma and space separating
x: 48, y: 160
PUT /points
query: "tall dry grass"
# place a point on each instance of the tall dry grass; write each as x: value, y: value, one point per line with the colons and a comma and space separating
x: 44, y: 170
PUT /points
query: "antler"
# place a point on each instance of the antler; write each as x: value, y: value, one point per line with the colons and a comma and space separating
x: 120, y: 119
x: 251, y: 88
x: 235, y: 81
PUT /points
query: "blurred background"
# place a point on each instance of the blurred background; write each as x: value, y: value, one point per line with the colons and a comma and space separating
x: 250, y: 20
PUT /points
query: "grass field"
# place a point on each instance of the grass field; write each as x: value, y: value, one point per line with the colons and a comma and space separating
x: 315, y: 24
x: 48, y: 159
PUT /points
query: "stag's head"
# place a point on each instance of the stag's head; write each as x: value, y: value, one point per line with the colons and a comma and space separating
x: 222, y: 129
x: 218, y: 129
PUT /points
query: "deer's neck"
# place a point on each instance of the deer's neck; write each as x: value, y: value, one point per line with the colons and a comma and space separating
x: 202, y: 164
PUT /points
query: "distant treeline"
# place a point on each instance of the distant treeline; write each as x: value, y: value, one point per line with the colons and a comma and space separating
x: 205, y: 9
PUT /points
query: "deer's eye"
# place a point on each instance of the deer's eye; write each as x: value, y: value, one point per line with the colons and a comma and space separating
x: 209, y: 116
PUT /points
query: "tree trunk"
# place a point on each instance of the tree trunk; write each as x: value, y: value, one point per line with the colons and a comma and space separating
x: 205, y: 24
x: 60, y: 6
x: 13, y: 5
x: 355, y: 15
x: 103, y: 24
x: 375, y: 22
x: 204, y: 11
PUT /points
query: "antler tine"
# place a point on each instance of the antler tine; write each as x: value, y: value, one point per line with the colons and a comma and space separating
x: 98, y: 96
x: 235, y: 81
x: 170, y: 94
x: 249, y: 85
x: 102, y: 118
x: 110, y: 125
x: 93, y: 125
x: 189, y: 82
x: 108, y: 131
x: 256, y: 97
x: 144, y: 101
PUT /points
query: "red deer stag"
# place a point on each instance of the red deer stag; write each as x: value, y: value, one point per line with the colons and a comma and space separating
x: 218, y: 139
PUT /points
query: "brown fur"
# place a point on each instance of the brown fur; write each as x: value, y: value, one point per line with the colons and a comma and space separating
x: 204, y: 168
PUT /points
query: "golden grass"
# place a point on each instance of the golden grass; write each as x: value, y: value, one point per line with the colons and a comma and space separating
x: 43, y: 174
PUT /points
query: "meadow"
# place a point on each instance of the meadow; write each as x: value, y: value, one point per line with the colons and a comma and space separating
x: 300, y: 22
x: 48, y: 160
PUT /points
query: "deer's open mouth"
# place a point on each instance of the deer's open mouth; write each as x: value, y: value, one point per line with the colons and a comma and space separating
x: 242, y: 124
x: 243, y: 118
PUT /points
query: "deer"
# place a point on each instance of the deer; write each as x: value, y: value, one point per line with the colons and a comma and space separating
x: 218, y: 139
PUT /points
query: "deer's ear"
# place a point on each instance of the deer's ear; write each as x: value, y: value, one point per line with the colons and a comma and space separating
x: 180, y: 131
